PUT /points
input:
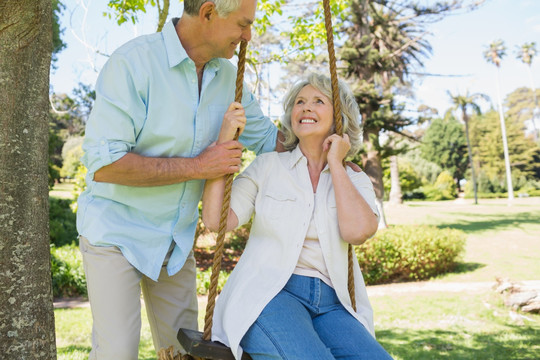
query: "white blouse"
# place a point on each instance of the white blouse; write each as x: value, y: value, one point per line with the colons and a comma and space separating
x: 276, y: 188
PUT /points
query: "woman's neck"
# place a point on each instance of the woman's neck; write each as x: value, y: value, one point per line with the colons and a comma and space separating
x: 316, y: 161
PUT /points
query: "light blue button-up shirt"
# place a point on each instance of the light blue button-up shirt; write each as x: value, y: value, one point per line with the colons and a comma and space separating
x: 148, y: 103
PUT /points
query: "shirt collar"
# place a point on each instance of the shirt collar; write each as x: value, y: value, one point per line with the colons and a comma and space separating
x: 175, y: 51
x: 297, y: 156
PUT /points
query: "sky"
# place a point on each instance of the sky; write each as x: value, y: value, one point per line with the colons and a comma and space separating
x: 456, y: 63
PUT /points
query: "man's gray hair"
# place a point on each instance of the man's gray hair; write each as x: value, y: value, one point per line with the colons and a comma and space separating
x: 223, y: 7
x: 349, y: 110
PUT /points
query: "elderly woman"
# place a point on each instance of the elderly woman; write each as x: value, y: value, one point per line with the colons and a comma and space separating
x: 287, y: 298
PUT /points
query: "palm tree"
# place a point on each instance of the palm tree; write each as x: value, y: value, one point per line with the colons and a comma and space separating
x: 384, y: 44
x: 494, y: 54
x: 526, y: 53
x: 463, y: 103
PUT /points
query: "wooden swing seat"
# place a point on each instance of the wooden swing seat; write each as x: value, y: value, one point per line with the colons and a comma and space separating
x: 192, y: 341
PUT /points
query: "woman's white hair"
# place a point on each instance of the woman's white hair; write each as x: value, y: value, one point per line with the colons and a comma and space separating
x: 223, y: 7
x: 349, y: 110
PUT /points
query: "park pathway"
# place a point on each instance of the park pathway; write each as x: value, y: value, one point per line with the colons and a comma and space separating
x: 373, y: 290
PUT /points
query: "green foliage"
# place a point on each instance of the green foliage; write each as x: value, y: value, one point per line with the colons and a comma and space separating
x: 409, y: 252
x: 125, y: 10
x: 486, y: 141
x: 444, y: 188
x: 409, y: 179
x: 308, y: 33
x: 203, y: 280
x: 67, y: 271
x: 71, y: 155
x: 62, y: 228
x: 444, y: 144
x: 55, y: 157
x: 57, y: 32
x: 80, y: 185
x: 427, y: 170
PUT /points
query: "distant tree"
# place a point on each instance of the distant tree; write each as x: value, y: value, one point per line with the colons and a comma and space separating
x: 386, y: 41
x: 444, y: 144
x: 520, y: 106
x: 463, y: 103
x: 26, y: 314
x: 494, y: 54
x: 57, y: 42
x: 488, y: 156
x: 526, y: 54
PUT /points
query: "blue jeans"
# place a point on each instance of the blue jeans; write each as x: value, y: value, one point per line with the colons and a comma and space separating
x: 306, y: 321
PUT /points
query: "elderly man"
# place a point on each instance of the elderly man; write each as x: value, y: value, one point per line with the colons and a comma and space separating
x: 161, y: 100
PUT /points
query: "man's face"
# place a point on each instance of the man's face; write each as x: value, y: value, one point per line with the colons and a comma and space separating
x: 227, y: 33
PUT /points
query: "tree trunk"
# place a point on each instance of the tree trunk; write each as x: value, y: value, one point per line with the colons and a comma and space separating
x: 26, y: 313
x: 505, y: 142
x: 396, y: 196
x: 471, y: 163
x: 371, y: 162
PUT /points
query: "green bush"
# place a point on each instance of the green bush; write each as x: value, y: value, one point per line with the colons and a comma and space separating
x: 67, y: 271
x: 62, y: 222
x: 470, y: 195
x: 443, y: 189
x: 402, y: 253
x: 68, y: 277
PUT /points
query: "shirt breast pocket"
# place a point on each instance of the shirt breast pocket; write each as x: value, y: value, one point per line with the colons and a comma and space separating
x: 278, y: 205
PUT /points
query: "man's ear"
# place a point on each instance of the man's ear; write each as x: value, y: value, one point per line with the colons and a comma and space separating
x: 207, y: 10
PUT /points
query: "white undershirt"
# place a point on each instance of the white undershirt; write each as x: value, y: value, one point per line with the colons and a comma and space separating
x: 311, y: 261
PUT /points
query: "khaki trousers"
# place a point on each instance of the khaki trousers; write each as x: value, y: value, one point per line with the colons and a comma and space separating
x: 114, y: 292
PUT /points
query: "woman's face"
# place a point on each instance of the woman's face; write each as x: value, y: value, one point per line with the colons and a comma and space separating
x: 312, y: 115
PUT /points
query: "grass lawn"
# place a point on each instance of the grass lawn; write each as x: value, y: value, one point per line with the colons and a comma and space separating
x: 472, y: 324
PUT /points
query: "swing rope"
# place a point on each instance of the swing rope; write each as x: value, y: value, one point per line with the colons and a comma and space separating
x: 220, y: 241
x: 218, y: 254
x: 338, y: 123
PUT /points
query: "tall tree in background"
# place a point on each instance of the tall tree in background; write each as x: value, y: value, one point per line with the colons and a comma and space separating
x: 386, y: 40
x: 526, y: 54
x: 463, y: 103
x: 444, y: 144
x: 494, y: 54
x: 26, y: 315
x: 488, y: 153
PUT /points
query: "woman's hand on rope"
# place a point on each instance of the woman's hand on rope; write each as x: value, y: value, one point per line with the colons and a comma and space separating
x: 337, y: 148
x: 234, y: 121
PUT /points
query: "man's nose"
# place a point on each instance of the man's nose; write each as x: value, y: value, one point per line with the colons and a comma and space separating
x: 246, y: 34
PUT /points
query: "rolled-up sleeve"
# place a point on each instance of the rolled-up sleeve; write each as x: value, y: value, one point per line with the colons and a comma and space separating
x: 117, y: 117
x: 260, y: 133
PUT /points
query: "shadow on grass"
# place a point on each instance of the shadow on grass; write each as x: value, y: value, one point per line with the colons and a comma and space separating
x: 462, y: 268
x: 484, y: 222
x: 514, y: 342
